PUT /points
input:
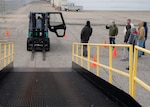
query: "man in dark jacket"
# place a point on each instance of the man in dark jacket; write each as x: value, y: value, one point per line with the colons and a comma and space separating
x: 113, y: 32
x: 127, y: 35
x: 85, y: 36
x: 146, y: 33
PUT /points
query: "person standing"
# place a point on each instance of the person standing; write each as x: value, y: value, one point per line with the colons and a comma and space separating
x: 132, y: 39
x: 128, y: 23
x: 86, y: 33
x: 113, y: 32
x: 146, y: 34
x: 127, y: 29
x: 126, y: 37
x: 141, y: 37
x: 127, y: 32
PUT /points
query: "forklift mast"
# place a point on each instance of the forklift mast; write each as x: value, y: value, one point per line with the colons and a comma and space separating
x: 50, y: 20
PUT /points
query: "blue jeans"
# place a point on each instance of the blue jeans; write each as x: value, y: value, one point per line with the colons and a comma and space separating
x: 144, y: 45
x: 140, y: 43
x: 112, y: 40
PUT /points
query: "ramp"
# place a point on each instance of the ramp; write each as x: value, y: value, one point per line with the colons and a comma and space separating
x: 34, y: 87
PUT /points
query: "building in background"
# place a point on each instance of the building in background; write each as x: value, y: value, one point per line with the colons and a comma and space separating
x: 59, y: 4
x: 114, y: 5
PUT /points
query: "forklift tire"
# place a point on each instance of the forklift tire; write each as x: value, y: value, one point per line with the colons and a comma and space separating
x: 28, y: 42
x: 48, y: 45
x: 66, y: 10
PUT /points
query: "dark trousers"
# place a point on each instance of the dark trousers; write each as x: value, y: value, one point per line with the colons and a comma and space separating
x: 84, y: 47
x: 112, y: 40
x: 144, y: 45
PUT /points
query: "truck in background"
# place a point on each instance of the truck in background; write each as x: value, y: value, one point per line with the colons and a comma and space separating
x: 72, y: 7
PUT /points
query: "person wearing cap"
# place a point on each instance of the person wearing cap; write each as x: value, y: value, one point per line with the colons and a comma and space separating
x: 113, y: 32
x: 132, y: 39
x: 86, y: 33
x: 141, y: 37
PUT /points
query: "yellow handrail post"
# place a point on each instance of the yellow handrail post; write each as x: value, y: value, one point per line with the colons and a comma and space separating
x: 12, y: 51
x: 5, y: 54
x: 134, y: 73
x: 110, y: 64
x: 77, y: 53
x: 0, y: 53
x: 98, y: 61
x: 9, y: 53
x: 89, y: 54
x: 72, y: 52
x: 130, y: 68
x: 82, y: 55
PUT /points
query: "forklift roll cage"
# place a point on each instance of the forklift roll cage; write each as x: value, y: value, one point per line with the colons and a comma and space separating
x: 39, y: 23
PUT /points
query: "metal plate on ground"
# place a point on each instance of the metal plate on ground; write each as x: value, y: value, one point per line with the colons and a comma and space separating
x: 35, y: 87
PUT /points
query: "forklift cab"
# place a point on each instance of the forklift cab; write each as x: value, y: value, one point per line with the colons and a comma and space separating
x: 39, y: 24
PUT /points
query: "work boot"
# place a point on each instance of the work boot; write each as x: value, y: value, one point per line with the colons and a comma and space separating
x: 143, y: 53
x: 127, y: 68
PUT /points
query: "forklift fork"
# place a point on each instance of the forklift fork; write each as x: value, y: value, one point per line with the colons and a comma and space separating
x: 33, y: 53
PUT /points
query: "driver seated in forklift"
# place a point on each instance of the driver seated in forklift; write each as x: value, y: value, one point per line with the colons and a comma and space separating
x: 38, y: 25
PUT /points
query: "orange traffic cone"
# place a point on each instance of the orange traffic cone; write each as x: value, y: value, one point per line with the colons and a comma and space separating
x: 65, y: 35
x: 93, y: 64
x: 104, y: 43
x: 7, y: 33
x: 115, y: 52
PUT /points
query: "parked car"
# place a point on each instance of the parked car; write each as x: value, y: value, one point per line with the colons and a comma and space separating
x: 72, y: 7
x: 48, y: 0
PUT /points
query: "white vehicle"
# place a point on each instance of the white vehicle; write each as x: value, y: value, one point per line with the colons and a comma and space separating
x: 48, y: 0
x: 72, y: 7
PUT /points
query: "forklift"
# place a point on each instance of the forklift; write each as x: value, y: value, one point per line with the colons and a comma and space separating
x: 39, y: 24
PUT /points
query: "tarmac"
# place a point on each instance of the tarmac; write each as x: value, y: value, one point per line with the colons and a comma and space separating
x: 61, y: 48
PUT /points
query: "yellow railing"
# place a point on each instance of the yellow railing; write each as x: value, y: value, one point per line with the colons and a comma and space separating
x: 135, y: 79
x: 6, y: 53
x: 76, y: 55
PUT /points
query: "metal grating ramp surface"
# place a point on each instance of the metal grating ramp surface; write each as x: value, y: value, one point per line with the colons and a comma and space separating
x: 24, y: 87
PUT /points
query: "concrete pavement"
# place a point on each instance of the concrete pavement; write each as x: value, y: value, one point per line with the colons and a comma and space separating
x: 60, y: 55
